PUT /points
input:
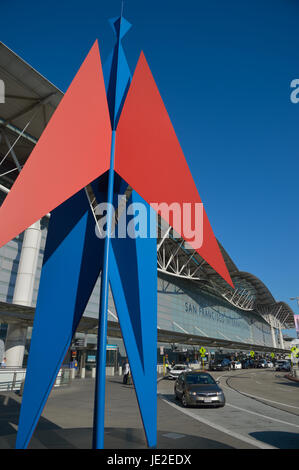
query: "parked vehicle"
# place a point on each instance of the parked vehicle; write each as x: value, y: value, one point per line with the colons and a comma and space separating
x: 262, y: 364
x: 236, y: 365
x: 224, y: 364
x: 175, y: 371
x: 283, y: 366
x: 198, y: 388
x: 247, y: 364
x: 270, y: 364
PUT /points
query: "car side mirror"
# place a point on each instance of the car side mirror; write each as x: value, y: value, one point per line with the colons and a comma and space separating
x: 217, y: 381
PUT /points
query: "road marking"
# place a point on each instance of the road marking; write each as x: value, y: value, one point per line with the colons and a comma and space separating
x: 248, y: 440
x: 264, y: 416
x: 260, y: 398
x: 286, y: 391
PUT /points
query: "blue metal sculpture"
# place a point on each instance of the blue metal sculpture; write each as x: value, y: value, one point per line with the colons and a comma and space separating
x: 74, y: 258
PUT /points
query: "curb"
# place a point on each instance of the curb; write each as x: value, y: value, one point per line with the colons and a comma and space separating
x: 161, y: 378
x: 290, y: 377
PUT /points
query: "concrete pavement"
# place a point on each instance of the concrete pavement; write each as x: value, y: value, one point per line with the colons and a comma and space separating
x: 66, y: 422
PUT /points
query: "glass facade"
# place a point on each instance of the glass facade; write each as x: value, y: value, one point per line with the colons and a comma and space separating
x: 9, y: 261
x: 185, y: 307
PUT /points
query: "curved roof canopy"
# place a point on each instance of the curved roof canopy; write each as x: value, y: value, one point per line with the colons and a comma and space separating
x: 250, y: 293
x: 30, y: 100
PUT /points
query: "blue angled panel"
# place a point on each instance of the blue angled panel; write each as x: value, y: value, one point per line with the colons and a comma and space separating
x: 117, y: 74
x: 133, y: 280
x: 72, y: 262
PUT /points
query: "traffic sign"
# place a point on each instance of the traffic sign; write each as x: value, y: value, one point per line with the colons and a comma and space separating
x: 202, y: 351
x: 252, y: 353
x: 272, y: 355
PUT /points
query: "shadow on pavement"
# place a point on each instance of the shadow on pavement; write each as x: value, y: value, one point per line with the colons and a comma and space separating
x: 9, y: 418
x: 288, y: 383
x: 120, y: 382
x: 50, y: 436
x: 115, y: 438
x: 279, y: 439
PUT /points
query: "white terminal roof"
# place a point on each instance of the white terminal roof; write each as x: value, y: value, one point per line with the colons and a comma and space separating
x: 30, y: 100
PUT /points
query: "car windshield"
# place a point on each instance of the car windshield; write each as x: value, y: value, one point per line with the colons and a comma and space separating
x: 200, y: 379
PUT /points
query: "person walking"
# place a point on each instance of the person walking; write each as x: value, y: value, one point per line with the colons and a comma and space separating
x: 126, y: 372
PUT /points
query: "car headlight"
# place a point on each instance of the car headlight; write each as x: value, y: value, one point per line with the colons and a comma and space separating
x: 219, y: 393
x: 193, y: 394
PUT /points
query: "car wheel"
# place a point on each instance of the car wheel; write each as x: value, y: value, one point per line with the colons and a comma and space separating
x: 184, y: 401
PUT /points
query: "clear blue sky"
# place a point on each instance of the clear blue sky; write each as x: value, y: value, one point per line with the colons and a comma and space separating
x: 224, y: 70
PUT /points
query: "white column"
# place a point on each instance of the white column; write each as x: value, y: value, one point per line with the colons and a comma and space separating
x: 281, y: 338
x: 23, y: 293
x: 273, y: 336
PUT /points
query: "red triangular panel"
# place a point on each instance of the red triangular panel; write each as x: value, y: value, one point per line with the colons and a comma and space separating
x: 73, y: 150
x: 150, y: 159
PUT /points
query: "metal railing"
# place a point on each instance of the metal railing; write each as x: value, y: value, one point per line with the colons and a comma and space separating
x: 13, y: 379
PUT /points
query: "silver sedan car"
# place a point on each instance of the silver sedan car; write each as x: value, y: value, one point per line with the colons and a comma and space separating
x: 198, y: 388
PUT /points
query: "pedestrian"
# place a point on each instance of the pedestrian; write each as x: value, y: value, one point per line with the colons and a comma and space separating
x: 126, y: 372
x: 167, y: 365
x: 3, y: 363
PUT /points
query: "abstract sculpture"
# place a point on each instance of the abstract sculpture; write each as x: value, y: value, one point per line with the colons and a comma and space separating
x: 131, y: 140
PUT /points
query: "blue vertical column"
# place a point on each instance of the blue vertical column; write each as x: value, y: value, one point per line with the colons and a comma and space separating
x: 99, y: 407
x: 117, y: 79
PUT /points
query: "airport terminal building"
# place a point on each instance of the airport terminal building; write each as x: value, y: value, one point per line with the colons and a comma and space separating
x: 195, y: 306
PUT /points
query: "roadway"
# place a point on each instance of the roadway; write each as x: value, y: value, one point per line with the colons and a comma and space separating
x: 261, y: 412
x: 262, y: 408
